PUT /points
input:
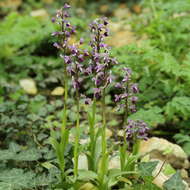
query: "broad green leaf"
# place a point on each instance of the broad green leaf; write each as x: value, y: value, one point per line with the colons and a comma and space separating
x: 146, y: 168
x: 174, y: 183
x: 152, y: 116
x: 16, y: 179
x: 87, y: 175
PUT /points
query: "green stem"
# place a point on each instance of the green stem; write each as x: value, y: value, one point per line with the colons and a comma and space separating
x: 77, y: 136
x: 104, y: 124
x: 92, y: 134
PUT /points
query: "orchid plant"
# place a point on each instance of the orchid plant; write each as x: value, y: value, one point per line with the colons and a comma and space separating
x: 96, y: 64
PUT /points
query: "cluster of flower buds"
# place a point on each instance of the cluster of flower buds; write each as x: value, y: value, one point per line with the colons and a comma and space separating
x: 128, y: 91
x: 101, y: 61
x: 136, y: 130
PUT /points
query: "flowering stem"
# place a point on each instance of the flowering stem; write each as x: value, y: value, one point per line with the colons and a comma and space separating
x: 92, y: 134
x: 77, y: 135
x: 103, y: 123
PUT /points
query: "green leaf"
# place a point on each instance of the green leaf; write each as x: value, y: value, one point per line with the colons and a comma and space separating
x: 174, y: 183
x: 87, y: 175
x: 178, y: 106
x: 15, y: 179
x: 152, y: 116
x: 146, y: 168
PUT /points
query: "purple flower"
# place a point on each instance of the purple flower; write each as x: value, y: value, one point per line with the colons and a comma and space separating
x: 128, y: 70
x: 134, y: 99
x: 136, y: 129
x: 88, y: 70
x: 66, y: 6
x: 76, y: 83
x: 124, y: 95
x: 133, y: 108
x: 80, y: 58
x: 125, y: 79
x: 73, y: 49
x: 87, y: 101
x: 56, y: 45
x: 134, y: 88
x: 118, y: 85
x: 68, y: 34
x: 67, y: 59
x: 81, y: 41
x: 97, y: 93
x: 105, y: 21
x: 53, y: 19
x: 86, y: 53
x: 117, y: 98
x: 55, y: 33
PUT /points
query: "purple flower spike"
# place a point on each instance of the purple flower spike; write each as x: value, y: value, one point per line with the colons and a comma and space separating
x: 66, y: 6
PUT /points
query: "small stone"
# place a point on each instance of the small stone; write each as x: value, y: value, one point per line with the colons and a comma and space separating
x: 10, y: 3
x: 82, y: 162
x: 108, y: 133
x: 104, y: 9
x: 58, y: 91
x: 122, y: 13
x: 137, y: 9
x: 40, y: 13
x: 29, y: 86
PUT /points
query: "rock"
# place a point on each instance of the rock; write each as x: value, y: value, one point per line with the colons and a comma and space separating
x: 40, y: 13
x: 184, y: 174
x: 58, y: 91
x: 104, y: 9
x: 11, y: 3
x: 29, y: 86
x: 164, y: 150
x: 122, y: 12
x: 121, y: 38
x: 120, y: 34
x: 82, y: 162
x: 137, y: 9
x: 108, y: 133
x: 114, y: 163
x: 159, y: 177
